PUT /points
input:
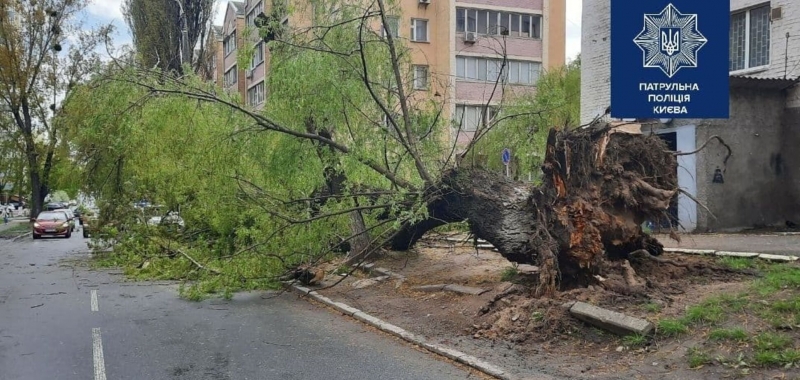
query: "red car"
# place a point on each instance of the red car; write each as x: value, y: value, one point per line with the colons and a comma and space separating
x: 51, y: 223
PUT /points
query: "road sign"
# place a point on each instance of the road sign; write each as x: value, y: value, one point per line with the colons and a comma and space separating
x: 506, y: 156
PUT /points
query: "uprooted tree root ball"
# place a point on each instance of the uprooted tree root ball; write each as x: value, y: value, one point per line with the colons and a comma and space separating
x: 599, y: 185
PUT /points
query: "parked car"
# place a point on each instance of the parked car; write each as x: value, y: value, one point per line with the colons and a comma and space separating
x: 54, y: 206
x: 70, y: 217
x: 52, y: 223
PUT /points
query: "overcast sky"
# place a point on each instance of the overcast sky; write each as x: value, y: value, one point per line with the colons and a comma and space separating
x: 105, y: 11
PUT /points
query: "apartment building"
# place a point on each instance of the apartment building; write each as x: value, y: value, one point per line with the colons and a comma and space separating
x: 456, y: 50
x: 760, y: 183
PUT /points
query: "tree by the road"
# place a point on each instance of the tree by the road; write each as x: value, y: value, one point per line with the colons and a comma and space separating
x: 36, y: 69
x: 165, y: 32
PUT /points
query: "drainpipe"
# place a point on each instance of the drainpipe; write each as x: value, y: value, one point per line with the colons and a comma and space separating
x: 786, y: 57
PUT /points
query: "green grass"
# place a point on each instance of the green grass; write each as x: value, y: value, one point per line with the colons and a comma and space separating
x: 14, y: 231
x: 778, y: 277
x: 736, y: 334
x: 737, y: 263
x: 634, y: 340
x: 509, y: 273
x: 697, y: 357
x: 672, y: 327
x: 771, y: 341
x: 706, y: 313
x: 652, y: 307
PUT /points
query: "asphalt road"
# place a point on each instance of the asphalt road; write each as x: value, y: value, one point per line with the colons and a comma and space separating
x: 61, y: 320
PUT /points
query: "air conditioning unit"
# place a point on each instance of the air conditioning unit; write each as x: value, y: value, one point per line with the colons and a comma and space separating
x: 248, y: 74
x: 425, y: 2
x: 470, y: 37
x: 776, y: 13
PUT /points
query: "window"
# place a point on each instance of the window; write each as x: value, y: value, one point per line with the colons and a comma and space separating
x: 258, y: 55
x: 392, y: 26
x: 483, y: 22
x: 488, y: 70
x: 469, y: 118
x: 255, y: 94
x: 231, y: 77
x: 258, y: 8
x: 419, y: 30
x: 229, y: 44
x: 750, y: 38
x: 488, y: 22
x: 420, y: 77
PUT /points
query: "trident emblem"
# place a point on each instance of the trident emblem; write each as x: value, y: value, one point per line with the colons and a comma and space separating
x: 670, y: 40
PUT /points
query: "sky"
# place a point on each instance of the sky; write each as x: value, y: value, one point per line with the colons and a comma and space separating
x: 102, y: 12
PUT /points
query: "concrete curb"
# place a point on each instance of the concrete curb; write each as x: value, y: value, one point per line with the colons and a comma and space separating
x: 420, y: 341
x: 19, y: 237
x: 749, y: 255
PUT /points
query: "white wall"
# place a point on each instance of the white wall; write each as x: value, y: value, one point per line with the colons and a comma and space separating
x: 595, y: 62
x: 790, y: 22
x: 687, y: 178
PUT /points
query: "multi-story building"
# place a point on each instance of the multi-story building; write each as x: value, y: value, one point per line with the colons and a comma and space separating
x: 760, y: 183
x: 456, y: 50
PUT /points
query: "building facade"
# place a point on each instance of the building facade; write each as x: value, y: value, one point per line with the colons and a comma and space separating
x: 456, y: 50
x: 759, y: 184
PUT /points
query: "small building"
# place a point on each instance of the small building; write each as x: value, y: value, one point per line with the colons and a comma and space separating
x: 759, y: 184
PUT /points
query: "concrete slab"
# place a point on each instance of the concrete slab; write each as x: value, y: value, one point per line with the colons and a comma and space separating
x: 765, y: 256
x: 748, y: 255
x: 387, y: 272
x: 465, y: 289
x: 344, y: 308
x: 617, y: 323
x: 430, y: 288
x: 527, y: 268
x: 690, y: 251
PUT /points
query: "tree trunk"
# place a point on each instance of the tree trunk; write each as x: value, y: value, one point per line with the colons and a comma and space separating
x: 335, y: 181
x: 360, y: 243
x: 599, y: 185
x: 38, y: 193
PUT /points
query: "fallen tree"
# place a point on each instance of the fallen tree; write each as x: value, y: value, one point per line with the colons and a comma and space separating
x: 350, y: 149
x: 600, y: 184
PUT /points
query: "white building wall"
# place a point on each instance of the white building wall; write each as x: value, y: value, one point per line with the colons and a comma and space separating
x: 595, y: 60
x: 790, y: 22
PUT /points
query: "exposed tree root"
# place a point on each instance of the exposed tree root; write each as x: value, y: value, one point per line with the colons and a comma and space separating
x: 644, y: 254
x: 599, y: 185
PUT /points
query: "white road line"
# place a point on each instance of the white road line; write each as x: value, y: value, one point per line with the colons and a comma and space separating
x: 97, y: 350
x: 94, y: 300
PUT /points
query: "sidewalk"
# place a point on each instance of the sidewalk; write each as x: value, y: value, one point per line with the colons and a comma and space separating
x: 766, y: 243
x: 11, y: 223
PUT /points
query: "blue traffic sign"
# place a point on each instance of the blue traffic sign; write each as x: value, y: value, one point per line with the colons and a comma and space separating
x: 506, y: 156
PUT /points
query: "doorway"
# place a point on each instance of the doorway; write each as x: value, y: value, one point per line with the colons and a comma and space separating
x: 670, y: 219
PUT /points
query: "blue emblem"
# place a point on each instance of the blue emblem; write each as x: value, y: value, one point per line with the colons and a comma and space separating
x: 670, y: 40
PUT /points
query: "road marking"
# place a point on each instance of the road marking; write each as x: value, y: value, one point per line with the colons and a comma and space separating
x: 94, y: 300
x: 97, y: 350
